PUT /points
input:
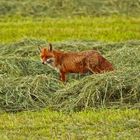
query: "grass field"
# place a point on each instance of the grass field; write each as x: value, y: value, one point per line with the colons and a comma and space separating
x: 91, y: 124
x: 35, y: 105
x: 102, y: 29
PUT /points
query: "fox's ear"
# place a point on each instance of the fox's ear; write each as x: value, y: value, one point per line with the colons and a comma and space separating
x: 50, y: 47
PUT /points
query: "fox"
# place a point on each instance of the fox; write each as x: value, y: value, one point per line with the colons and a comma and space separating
x: 74, y: 62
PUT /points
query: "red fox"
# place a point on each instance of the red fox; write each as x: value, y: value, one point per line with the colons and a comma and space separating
x: 75, y: 62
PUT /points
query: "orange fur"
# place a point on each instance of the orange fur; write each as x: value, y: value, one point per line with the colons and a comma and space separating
x: 75, y: 62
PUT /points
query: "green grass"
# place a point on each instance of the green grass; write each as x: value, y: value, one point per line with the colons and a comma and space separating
x: 91, y: 124
x: 100, y: 28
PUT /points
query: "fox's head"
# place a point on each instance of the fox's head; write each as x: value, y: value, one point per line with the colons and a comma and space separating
x: 47, y: 56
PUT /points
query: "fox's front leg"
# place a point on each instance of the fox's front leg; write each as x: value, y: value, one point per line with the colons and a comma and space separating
x: 62, y: 76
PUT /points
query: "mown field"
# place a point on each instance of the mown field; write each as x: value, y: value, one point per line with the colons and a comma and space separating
x: 27, y: 85
x: 67, y: 8
x: 91, y: 124
x: 34, y: 104
x: 108, y: 29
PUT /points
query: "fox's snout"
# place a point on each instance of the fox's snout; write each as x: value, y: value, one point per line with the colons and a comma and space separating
x: 43, y: 62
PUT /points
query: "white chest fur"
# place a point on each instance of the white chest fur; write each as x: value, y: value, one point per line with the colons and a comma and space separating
x: 53, y: 67
x: 51, y: 64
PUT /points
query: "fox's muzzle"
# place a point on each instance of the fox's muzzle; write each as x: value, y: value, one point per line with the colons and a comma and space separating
x: 49, y: 61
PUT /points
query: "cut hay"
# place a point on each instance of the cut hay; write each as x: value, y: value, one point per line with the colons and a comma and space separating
x: 26, y: 84
x: 17, y: 66
x: 24, y: 93
x: 104, y: 90
x: 69, y: 8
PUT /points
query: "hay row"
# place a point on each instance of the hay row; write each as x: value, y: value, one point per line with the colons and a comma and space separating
x: 24, y: 93
x: 27, y: 84
x: 116, y: 88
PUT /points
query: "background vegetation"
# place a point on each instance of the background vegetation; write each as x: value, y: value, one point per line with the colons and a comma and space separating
x: 106, y: 29
x: 63, y: 8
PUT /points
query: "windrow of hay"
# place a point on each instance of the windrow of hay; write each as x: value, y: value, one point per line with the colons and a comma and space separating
x: 64, y: 8
x: 23, y: 48
x: 17, y: 66
x: 30, y: 46
x: 31, y: 92
x: 116, y: 88
x: 27, y: 84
